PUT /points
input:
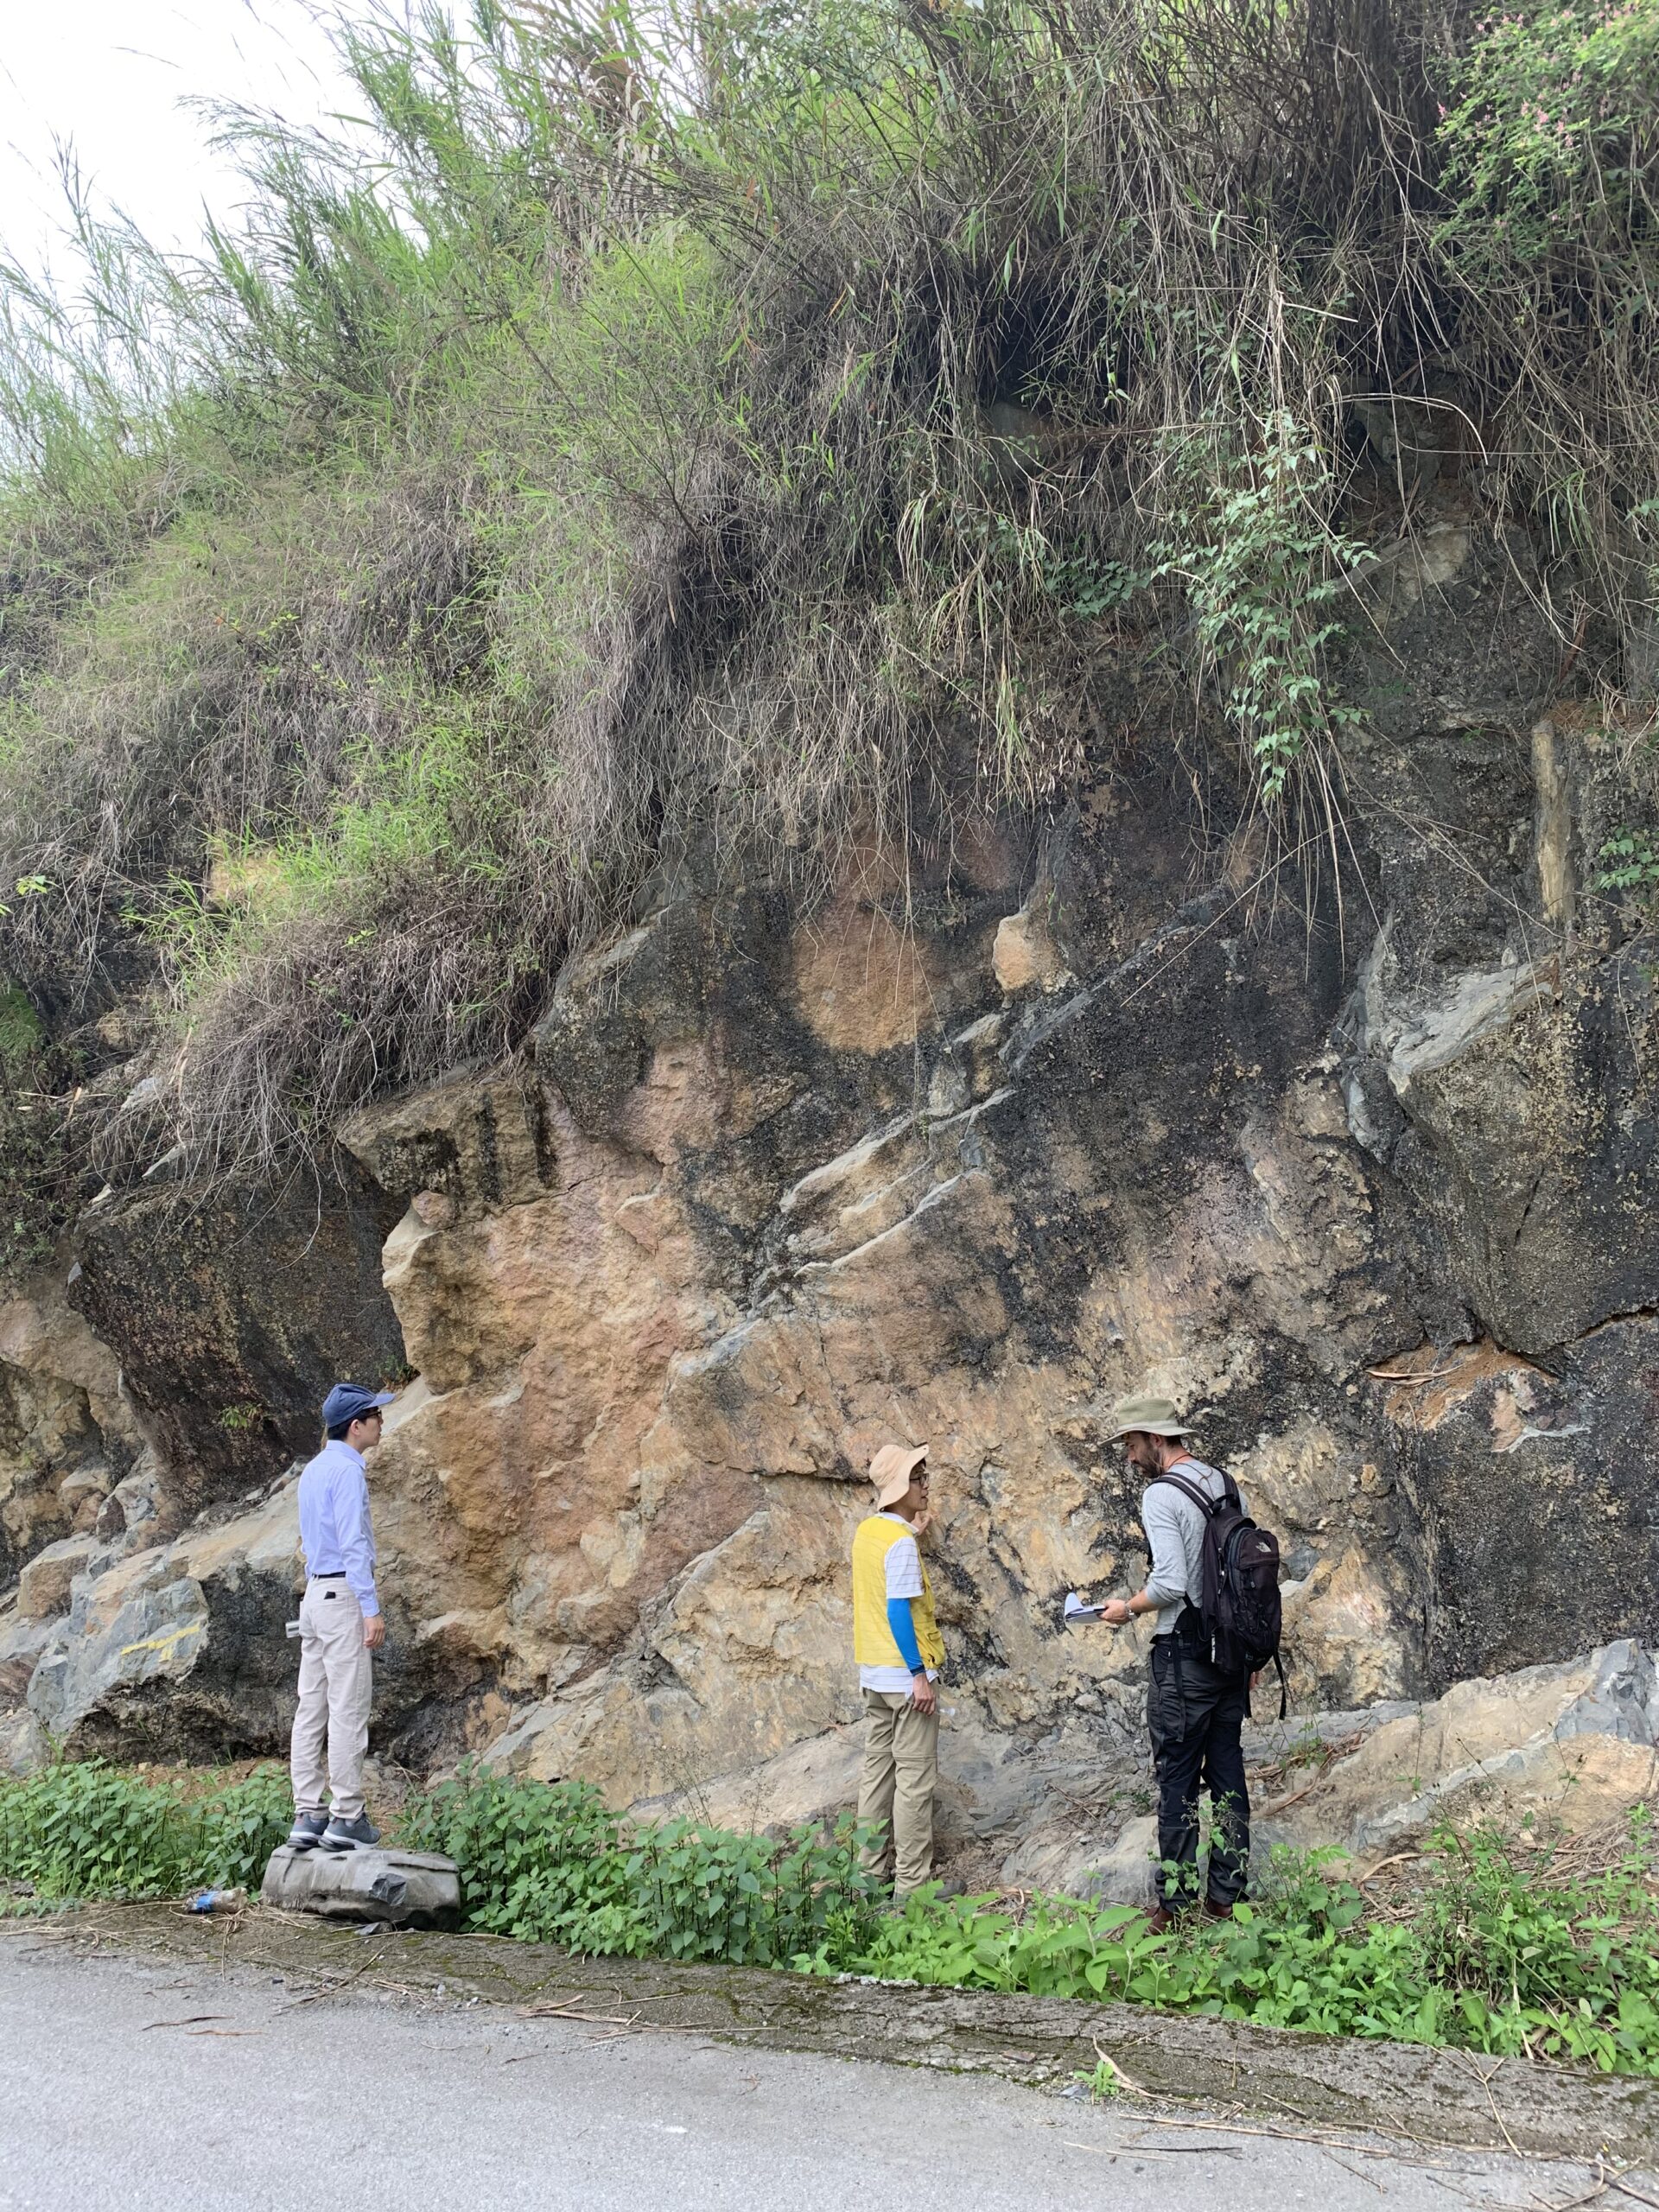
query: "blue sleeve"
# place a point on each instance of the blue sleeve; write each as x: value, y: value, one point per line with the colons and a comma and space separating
x: 356, y: 1544
x: 904, y: 1633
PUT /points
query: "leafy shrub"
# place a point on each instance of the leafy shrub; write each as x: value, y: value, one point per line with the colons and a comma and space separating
x: 1546, y: 146
x: 1299, y: 1958
x: 88, y: 1830
x: 548, y: 1861
x: 707, y: 1894
x: 1550, y: 149
x: 535, y: 1857
x: 1633, y: 859
x: 236, y: 1829
x: 1265, y: 577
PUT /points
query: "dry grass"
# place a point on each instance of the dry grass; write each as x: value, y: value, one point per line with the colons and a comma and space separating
x: 732, y: 448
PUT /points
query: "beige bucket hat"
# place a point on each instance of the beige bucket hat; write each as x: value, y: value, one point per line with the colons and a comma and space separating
x: 891, y: 1470
x: 1152, y: 1416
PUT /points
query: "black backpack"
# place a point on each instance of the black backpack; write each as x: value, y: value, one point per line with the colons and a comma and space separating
x: 1240, y: 1581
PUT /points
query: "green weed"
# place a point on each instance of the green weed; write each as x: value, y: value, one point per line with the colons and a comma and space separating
x: 1500, y: 1953
x: 546, y: 1860
x: 88, y: 1830
x: 1102, y: 2083
x: 1633, y: 859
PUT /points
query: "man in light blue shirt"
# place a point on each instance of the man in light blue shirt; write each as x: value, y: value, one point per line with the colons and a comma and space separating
x: 340, y: 1624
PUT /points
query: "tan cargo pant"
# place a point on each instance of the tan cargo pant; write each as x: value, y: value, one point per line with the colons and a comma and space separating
x: 336, y: 1679
x: 901, y: 1773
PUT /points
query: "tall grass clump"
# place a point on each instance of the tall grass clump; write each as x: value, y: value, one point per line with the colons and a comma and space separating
x: 724, y: 436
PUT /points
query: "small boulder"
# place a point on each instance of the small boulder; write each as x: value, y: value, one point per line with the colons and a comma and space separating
x: 43, y: 1586
x: 81, y: 1494
x: 403, y: 1889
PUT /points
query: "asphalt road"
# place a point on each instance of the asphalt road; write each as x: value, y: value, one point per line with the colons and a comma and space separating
x: 115, y: 2092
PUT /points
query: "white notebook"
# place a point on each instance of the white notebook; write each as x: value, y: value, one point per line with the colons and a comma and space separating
x: 1076, y: 1611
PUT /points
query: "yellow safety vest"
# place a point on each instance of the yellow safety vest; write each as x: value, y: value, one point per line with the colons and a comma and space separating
x: 873, y: 1640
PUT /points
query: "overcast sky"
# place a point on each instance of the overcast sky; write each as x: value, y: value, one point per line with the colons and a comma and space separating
x: 108, y: 76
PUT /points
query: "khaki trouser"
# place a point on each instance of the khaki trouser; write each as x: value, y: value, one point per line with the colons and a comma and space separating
x: 336, y: 1678
x: 901, y: 1773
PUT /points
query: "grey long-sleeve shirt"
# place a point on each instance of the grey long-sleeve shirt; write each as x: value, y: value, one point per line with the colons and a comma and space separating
x: 1174, y: 1529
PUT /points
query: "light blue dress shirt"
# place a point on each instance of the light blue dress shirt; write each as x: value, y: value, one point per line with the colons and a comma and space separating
x: 334, y: 1532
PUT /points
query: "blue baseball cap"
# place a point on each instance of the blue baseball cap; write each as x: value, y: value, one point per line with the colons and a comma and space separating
x: 349, y: 1401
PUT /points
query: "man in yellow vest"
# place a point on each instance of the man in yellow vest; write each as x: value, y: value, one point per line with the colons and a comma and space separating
x: 899, y: 1652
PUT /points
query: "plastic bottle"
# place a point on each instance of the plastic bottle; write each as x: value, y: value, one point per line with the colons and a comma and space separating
x: 217, y: 1901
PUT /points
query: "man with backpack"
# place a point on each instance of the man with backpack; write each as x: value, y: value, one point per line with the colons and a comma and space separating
x: 1213, y: 1583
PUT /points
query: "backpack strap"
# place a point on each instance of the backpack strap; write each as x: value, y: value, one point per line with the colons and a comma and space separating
x: 1208, y: 1506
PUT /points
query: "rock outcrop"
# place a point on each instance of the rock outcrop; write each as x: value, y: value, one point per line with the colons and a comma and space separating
x: 68, y: 1437
x: 1046, y: 1114
x: 231, y: 1312
x: 1541, y: 1753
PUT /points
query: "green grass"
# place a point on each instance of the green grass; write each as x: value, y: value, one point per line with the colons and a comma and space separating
x: 1502, y: 1952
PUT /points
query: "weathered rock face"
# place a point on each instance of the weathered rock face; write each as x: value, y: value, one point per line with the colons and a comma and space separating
x: 988, y: 1264
x: 231, y: 1313
x: 964, y: 1156
x: 67, y: 1437
x: 177, y: 1649
x: 1540, y: 1752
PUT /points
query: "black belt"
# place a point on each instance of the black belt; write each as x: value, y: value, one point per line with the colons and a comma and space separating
x: 339, y: 1575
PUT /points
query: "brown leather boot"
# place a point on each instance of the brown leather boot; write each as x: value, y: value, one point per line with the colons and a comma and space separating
x: 1160, y: 1920
x: 1215, y: 1910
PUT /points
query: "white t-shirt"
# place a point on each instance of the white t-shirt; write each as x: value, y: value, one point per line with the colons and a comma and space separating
x: 904, y: 1566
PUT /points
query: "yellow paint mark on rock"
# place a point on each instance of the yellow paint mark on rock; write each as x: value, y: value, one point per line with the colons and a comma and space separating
x: 169, y: 1642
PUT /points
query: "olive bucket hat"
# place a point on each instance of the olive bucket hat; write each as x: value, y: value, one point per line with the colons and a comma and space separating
x: 1152, y: 1416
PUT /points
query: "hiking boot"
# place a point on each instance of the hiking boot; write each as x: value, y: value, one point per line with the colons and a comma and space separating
x: 350, y: 1835
x: 1160, y: 1920
x: 307, y: 1831
x: 1216, y: 1908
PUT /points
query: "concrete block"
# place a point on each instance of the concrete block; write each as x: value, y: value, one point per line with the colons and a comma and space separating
x: 403, y: 1889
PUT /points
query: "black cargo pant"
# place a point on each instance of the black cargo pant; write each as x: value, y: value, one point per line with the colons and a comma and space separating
x: 1195, y: 1715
